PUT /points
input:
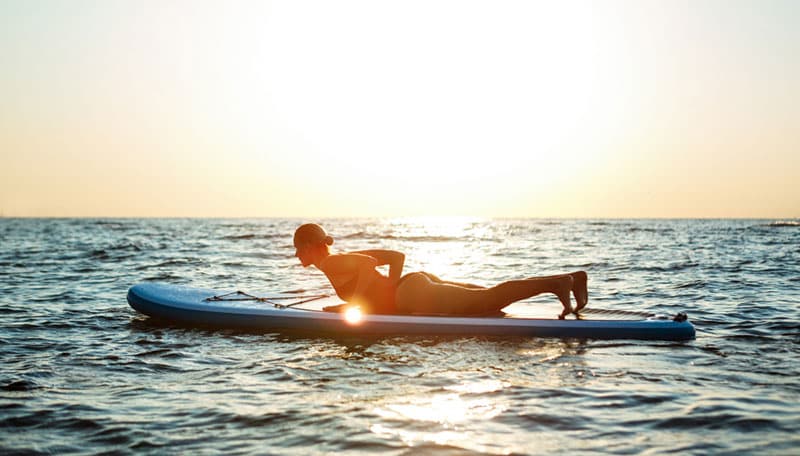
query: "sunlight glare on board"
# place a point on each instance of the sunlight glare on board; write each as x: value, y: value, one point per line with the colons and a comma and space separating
x: 353, y: 315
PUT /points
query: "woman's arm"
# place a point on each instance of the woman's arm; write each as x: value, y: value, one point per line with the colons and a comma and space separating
x: 351, y: 264
x: 393, y: 258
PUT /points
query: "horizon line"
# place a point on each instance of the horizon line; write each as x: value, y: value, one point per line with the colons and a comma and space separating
x: 330, y: 217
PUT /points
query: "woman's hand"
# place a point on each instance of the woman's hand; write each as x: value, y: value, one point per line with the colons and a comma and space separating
x: 393, y: 258
x: 339, y: 308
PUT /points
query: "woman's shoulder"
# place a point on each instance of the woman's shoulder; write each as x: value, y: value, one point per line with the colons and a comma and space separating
x: 383, y: 256
x: 371, y: 252
x: 346, y: 259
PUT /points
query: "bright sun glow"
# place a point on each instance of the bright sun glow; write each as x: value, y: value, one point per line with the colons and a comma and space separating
x: 466, y: 116
x: 353, y: 315
x: 363, y: 108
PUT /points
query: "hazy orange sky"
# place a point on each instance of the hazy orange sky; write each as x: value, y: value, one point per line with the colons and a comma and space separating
x: 377, y: 108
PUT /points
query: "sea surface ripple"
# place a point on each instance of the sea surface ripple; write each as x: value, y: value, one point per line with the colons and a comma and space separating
x: 83, y: 373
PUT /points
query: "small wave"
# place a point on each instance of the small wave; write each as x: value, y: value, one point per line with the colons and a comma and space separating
x: 392, y: 237
x: 162, y: 277
x: 588, y: 265
x: 37, y: 418
x: 13, y: 310
x: 564, y: 423
x: 235, y: 264
x: 111, y: 436
x: 358, y: 235
x: 170, y: 263
x: 647, y: 229
x: 114, y: 251
x: 63, y: 296
x: 265, y: 419
x: 112, y: 225
x: 690, y: 284
x: 159, y: 352
x: 240, y: 236
x: 268, y: 255
x: 424, y: 238
x: 719, y: 421
x: 251, y: 236
x: 99, y: 254
x: 784, y: 327
x: 675, y: 267
x: 784, y: 224
x: 20, y: 386
x: 80, y: 424
x: 616, y: 400
x: 148, y: 445
x: 126, y: 246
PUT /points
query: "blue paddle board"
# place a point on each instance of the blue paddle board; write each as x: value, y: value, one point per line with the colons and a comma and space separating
x: 223, y: 309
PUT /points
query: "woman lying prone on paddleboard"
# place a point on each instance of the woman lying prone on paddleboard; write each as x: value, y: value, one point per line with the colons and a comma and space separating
x: 357, y: 281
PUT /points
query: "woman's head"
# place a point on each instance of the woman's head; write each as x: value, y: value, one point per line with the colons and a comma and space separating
x: 309, y: 239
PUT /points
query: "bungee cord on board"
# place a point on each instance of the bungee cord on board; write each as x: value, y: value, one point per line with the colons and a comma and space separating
x: 242, y: 296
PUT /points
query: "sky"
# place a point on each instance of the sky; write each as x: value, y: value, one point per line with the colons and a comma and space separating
x: 400, y: 108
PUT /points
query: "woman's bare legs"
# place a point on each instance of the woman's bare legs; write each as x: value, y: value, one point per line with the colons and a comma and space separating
x: 517, y: 290
x: 450, y: 282
x: 579, y: 288
x: 419, y: 294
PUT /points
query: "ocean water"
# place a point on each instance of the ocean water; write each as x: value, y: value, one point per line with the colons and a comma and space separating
x: 84, y: 373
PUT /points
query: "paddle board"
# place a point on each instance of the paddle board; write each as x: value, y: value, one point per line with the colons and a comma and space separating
x: 224, y: 309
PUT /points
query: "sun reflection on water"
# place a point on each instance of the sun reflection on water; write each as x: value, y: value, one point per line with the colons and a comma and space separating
x: 447, y: 410
x: 443, y: 419
x: 439, y: 225
x: 486, y: 386
x: 446, y: 246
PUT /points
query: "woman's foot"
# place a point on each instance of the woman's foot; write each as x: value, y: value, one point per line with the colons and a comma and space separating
x: 580, y: 289
x: 563, y: 286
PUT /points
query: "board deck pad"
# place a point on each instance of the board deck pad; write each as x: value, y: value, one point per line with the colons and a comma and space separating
x: 522, y: 309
